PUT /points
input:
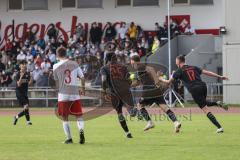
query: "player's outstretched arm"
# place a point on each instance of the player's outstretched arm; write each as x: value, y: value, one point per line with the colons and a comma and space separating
x: 212, y: 74
x: 169, y: 81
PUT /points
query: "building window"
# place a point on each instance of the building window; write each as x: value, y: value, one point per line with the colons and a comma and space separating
x: 68, y: 3
x: 35, y: 4
x: 201, y: 2
x: 89, y: 4
x: 137, y: 3
x: 123, y: 3
x: 15, y: 4
x: 181, y: 2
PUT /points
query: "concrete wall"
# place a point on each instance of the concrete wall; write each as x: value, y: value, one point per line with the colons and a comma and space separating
x: 231, y: 51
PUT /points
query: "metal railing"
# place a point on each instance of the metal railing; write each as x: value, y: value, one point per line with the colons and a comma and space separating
x: 44, y: 94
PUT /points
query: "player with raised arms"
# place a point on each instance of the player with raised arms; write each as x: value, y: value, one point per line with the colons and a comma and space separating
x: 67, y: 73
x: 191, y: 78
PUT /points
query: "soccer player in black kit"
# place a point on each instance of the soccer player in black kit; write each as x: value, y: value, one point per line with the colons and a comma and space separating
x: 191, y: 78
x: 151, y: 93
x: 115, y: 77
x: 23, y: 79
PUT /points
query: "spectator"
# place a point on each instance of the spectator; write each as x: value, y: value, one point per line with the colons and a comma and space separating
x: 141, y: 50
x: 36, y: 74
x: 160, y: 32
x: 52, y: 32
x: 110, y: 32
x: 52, y: 57
x: 5, y: 79
x: 140, y: 32
x: 45, y: 66
x: 82, y: 49
x: 8, y: 46
x: 122, y: 31
x: 29, y: 35
x: 80, y: 32
x: 93, y: 50
x: 21, y: 56
x: 144, y: 44
x: 156, y: 45
x: 41, y: 43
x: 61, y: 43
x: 30, y: 66
x: 29, y: 56
x: 38, y: 60
x: 132, y: 31
x: 2, y: 65
x: 189, y: 30
x: 95, y: 34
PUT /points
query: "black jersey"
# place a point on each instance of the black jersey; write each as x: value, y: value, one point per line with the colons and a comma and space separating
x: 145, y: 77
x: 23, y: 89
x: 189, y: 75
x: 117, y: 77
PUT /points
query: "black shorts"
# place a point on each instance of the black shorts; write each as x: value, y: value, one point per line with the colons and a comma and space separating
x: 22, y: 100
x: 150, y: 101
x: 119, y: 101
x: 199, y: 94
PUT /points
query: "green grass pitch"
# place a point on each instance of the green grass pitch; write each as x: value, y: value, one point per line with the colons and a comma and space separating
x: 105, y: 140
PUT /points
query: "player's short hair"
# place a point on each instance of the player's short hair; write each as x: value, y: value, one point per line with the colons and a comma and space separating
x: 181, y: 58
x: 136, y: 58
x: 61, y: 52
x: 23, y: 62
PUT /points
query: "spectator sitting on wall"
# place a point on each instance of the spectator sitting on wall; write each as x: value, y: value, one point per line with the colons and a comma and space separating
x: 95, y: 34
x: 110, y: 32
x: 189, y: 30
x: 52, y: 32
x: 80, y: 31
x: 156, y: 45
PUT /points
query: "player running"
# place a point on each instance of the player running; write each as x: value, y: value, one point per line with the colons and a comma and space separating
x: 23, y: 79
x: 191, y: 77
x: 115, y: 77
x: 147, y: 78
x: 66, y: 74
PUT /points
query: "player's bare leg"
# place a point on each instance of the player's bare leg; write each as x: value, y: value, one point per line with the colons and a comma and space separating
x: 213, y: 119
x: 67, y: 131
x: 80, y: 125
x: 146, y: 116
x: 172, y: 116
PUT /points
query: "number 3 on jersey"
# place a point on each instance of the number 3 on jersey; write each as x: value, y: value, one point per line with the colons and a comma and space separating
x: 68, y: 78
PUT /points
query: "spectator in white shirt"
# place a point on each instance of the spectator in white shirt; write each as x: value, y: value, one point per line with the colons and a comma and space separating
x: 52, y: 57
x: 29, y: 56
x: 37, y: 73
x: 21, y: 56
x: 45, y: 66
x: 122, y: 31
x: 189, y: 30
